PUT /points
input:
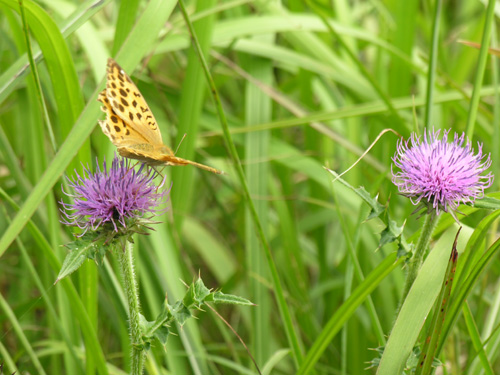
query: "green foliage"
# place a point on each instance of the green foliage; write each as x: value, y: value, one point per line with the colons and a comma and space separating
x: 302, y: 85
x: 80, y: 250
x: 94, y: 244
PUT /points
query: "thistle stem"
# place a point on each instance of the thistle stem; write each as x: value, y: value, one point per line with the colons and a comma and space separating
x: 431, y: 220
x: 126, y: 260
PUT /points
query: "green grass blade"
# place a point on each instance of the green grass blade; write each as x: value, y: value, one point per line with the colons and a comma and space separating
x: 11, y: 77
x: 67, y: 92
x: 192, y: 95
x: 481, y: 65
x: 16, y: 326
x: 476, y: 339
x: 125, y: 21
x: 464, y: 287
x: 344, y: 312
x: 418, y: 303
x: 433, y: 57
x: 284, y: 311
x: 427, y: 356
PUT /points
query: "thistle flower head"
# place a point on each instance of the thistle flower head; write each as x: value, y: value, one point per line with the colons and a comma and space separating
x: 112, y: 199
x: 439, y: 174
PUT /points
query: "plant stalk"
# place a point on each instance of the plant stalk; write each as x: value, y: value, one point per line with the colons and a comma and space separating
x: 126, y: 260
x: 431, y: 220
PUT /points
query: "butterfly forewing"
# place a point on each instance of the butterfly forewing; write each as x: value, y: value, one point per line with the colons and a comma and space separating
x: 128, y: 103
x: 131, y: 126
x: 115, y: 128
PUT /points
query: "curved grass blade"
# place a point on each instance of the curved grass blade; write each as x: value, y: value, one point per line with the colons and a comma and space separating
x: 417, y: 305
x: 345, y: 311
x: 283, y: 307
x: 443, y: 302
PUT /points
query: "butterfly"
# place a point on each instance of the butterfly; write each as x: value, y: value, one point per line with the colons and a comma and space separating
x: 130, y: 124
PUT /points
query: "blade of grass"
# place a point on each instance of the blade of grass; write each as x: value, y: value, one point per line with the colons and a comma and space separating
x: 441, y: 307
x: 354, y: 59
x: 8, y: 360
x: 364, y: 109
x: 481, y: 65
x: 495, y: 144
x: 258, y: 109
x: 31, y: 121
x: 89, y: 37
x: 171, y: 276
x: 11, y: 77
x: 344, y: 312
x: 283, y: 307
x: 36, y: 79
x: 67, y: 92
x: 46, y: 299
x: 124, y: 23
x: 433, y: 57
x: 67, y: 95
x: 476, y: 339
x: 417, y: 304
x: 463, y: 288
x: 16, y: 326
x: 404, y: 33
x: 379, y: 332
x: 218, y: 257
x: 192, y: 95
x: 9, y: 158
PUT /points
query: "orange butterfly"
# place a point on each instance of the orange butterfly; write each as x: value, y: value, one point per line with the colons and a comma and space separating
x: 130, y: 124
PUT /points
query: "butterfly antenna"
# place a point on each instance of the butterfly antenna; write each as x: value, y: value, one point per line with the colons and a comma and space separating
x: 179, y: 145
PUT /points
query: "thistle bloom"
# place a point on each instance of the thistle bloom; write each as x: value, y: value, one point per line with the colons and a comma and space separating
x: 112, y: 197
x: 440, y: 174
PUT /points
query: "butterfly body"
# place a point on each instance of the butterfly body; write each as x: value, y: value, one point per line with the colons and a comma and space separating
x: 130, y: 124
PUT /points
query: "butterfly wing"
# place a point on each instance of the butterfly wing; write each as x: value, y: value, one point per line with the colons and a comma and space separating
x: 129, y: 105
x: 130, y: 124
x: 117, y: 130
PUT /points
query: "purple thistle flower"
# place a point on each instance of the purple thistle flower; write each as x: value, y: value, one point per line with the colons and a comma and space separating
x: 440, y: 174
x: 112, y: 197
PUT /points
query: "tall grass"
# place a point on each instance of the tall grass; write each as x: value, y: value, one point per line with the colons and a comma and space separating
x: 302, y: 85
